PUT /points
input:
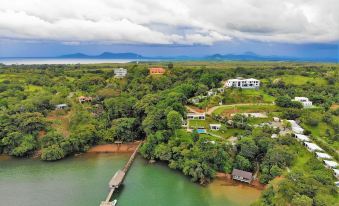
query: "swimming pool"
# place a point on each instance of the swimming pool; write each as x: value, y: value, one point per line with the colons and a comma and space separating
x: 201, y: 131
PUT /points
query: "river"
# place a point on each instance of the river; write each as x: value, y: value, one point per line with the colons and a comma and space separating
x: 83, y: 181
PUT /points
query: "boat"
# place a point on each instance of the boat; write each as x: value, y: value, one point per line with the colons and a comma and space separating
x: 114, y: 203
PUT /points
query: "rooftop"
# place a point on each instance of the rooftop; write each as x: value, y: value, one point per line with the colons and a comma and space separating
x: 241, y: 173
x: 313, y: 146
x: 323, y: 155
x: 331, y: 163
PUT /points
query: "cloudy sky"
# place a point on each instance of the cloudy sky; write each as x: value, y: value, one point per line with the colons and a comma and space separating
x: 175, y: 27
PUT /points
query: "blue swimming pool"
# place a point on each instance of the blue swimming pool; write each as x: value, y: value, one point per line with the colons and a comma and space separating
x: 201, y: 131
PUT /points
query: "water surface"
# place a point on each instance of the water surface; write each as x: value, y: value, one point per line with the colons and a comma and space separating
x: 82, y: 181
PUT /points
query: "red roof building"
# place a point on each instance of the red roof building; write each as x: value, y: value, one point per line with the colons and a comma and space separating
x: 157, y: 70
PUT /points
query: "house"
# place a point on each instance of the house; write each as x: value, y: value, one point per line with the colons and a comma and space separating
x: 295, y: 127
x: 215, y: 127
x: 61, y: 106
x: 304, y: 101
x: 273, y: 136
x: 302, y: 138
x: 330, y: 164
x: 312, y: 147
x: 197, y: 116
x: 336, y: 173
x: 196, y: 100
x: 213, y: 92
x: 276, y: 119
x: 321, y: 155
x: 120, y: 72
x: 83, y: 99
x: 156, y: 70
x: 242, y: 176
x: 243, y: 83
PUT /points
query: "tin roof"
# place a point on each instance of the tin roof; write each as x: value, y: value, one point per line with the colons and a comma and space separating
x: 241, y: 173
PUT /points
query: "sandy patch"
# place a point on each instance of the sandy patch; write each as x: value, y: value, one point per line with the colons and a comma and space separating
x: 114, y: 148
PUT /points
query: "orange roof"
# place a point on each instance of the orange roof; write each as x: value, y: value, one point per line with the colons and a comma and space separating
x: 157, y: 70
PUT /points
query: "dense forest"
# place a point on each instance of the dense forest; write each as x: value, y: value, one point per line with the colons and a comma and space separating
x: 152, y: 108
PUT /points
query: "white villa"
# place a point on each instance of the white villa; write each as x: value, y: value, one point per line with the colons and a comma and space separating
x: 295, y: 127
x: 197, y: 116
x: 330, y: 164
x: 321, y: 155
x: 302, y: 138
x: 120, y: 72
x: 312, y: 147
x: 243, y: 83
x: 304, y: 101
x: 215, y: 127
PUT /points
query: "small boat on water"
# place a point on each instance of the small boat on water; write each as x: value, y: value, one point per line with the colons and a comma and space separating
x: 114, y: 203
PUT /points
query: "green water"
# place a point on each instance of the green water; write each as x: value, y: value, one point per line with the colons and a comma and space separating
x: 82, y: 181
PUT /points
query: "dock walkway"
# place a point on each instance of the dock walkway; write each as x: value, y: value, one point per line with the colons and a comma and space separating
x: 119, y: 177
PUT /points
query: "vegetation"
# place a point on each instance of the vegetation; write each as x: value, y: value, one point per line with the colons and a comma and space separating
x: 151, y: 108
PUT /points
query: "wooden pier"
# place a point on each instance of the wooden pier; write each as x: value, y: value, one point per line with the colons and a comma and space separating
x: 119, y: 177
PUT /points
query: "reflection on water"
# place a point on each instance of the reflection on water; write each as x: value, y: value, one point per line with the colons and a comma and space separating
x: 83, y: 181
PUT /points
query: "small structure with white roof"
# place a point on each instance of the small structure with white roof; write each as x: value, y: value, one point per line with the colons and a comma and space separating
x: 295, y: 127
x: 120, y: 72
x: 61, y: 106
x: 215, y: 127
x: 312, y: 147
x: 331, y: 164
x: 304, y: 101
x: 302, y: 138
x: 243, y: 83
x: 196, y: 116
x: 321, y: 155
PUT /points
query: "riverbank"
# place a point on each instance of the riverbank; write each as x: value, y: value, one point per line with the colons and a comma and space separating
x: 114, y: 148
x: 227, y: 180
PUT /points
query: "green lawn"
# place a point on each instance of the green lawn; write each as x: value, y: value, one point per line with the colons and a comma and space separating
x: 301, y: 80
x: 205, y: 124
x: 245, y: 108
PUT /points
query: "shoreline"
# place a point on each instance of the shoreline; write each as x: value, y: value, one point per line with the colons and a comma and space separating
x: 114, y: 148
x: 228, y: 181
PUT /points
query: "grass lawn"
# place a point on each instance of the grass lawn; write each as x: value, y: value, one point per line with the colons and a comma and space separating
x: 233, y: 96
x: 244, y: 108
x: 33, y: 88
x: 252, y: 92
x: 301, y: 80
x: 205, y: 124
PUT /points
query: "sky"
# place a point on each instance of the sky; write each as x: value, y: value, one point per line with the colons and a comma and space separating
x: 44, y: 28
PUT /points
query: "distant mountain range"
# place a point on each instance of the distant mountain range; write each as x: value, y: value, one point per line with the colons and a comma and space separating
x: 247, y: 56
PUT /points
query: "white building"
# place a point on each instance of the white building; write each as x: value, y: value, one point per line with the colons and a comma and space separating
x: 302, y: 138
x: 304, y: 101
x: 336, y: 173
x: 120, y: 72
x: 215, y: 127
x: 330, y: 164
x: 295, y: 127
x: 312, y: 147
x: 213, y: 92
x: 197, y: 116
x: 321, y: 155
x: 243, y: 83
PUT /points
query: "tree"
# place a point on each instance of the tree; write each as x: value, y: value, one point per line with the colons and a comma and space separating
x: 174, y: 120
x: 242, y: 163
x: 125, y: 129
x: 301, y: 200
x: 53, y: 152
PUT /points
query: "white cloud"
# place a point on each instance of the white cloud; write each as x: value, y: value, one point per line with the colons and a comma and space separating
x: 170, y: 22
